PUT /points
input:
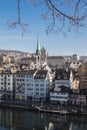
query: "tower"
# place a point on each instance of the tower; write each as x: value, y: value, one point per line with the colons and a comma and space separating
x: 38, y: 53
x: 43, y: 54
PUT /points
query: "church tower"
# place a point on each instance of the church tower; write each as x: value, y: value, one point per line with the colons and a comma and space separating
x: 38, y: 53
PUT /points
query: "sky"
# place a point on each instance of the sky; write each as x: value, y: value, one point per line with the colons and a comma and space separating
x: 55, y: 44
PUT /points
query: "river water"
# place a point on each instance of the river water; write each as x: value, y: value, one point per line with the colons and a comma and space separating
x: 28, y: 120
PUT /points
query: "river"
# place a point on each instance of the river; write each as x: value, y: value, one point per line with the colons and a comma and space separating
x: 28, y: 120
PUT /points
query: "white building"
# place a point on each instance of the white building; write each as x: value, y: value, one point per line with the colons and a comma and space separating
x: 32, y: 84
x: 41, y: 84
x: 6, y: 85
x: 29, y: 84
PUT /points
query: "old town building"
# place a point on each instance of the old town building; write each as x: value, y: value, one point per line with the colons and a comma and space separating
x: 7, y: 85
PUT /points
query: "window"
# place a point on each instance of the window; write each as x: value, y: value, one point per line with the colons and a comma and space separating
x: 1, y: 79
x: 17, y: 79
x: 23, y: 84
x: 47, y: 85
x: 37, y: 89
x: 37, y: 80
x: 37, y: 93
x: 17, y: 84
x: 8, y: 79
x: 23, y: 80
x: 1, y: 83
x: 29, y: 88
x: 47, y: 89
x: 37, y: 85
x: 42, y: 85
x: 1, y: 88
x: 42, y: 89
x: 8, y: 88
x: 8, y: 83
x: 42, y: 94
x: 27, y: 80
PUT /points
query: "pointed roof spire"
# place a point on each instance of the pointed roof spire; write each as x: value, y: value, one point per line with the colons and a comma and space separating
x: 38, y: 45
x: 38, y: 42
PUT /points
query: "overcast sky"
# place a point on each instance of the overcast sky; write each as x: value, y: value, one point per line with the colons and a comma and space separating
x: 55, y: 44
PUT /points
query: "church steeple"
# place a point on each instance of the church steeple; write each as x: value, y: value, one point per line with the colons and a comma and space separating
x: 38, y: 46
x: 38, y: 53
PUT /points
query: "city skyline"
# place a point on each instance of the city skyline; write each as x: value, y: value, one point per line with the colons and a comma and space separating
x: 55, y: 44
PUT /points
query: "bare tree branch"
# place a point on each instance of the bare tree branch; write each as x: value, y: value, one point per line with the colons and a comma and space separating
x: 74, y: 19
x: 71, y: 13
x: 18, y: 22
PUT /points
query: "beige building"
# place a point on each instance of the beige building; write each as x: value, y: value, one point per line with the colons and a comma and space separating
x: 75, y: 84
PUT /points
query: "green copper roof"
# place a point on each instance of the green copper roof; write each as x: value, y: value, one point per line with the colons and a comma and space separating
x: 38, y: 45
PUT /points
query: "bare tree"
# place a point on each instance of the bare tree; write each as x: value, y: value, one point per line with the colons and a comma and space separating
x: 61, y: 14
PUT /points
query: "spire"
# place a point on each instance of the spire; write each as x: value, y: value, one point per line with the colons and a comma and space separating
x: 38, y: 45
x: 38, y: 42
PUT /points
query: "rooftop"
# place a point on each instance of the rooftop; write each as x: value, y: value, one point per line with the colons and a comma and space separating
x: 41, y: 74
x: 62, y: 74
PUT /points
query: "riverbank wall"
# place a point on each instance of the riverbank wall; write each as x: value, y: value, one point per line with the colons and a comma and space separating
x: 36, y: 108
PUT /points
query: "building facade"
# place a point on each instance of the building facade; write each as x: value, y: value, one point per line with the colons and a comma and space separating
x: 41, y: 85
x: 63, y: 77
x: 7, y: 85
x: 20, y: 85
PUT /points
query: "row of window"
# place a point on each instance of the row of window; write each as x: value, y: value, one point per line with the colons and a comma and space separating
x: 59, y: 97
x: 7, y: 79
x: 20, y: 80
x: 31, y: 85
x: 7, y: 88
x: 41, y: 85
x: 20, y: 84
x: 62, y: 82
x: 37, y: 89
x: 6, y: 83
x: 41, y: 94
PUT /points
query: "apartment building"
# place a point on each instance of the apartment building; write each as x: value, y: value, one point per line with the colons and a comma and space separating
x: 29, y: 84
x: 32, y: 84
x: 60, y: 95
x: 63, y: 77
x: 78, y: 97
x: 63, y: 82
x: 6, y: 85
x: 41, y: 85
x: 20, y: 85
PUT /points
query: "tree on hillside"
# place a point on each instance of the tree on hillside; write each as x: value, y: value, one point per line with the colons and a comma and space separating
x: 60, y: 14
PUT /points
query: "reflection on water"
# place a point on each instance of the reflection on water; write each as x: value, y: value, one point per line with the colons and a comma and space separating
x: 24, y: 120
x: 51, y: 126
